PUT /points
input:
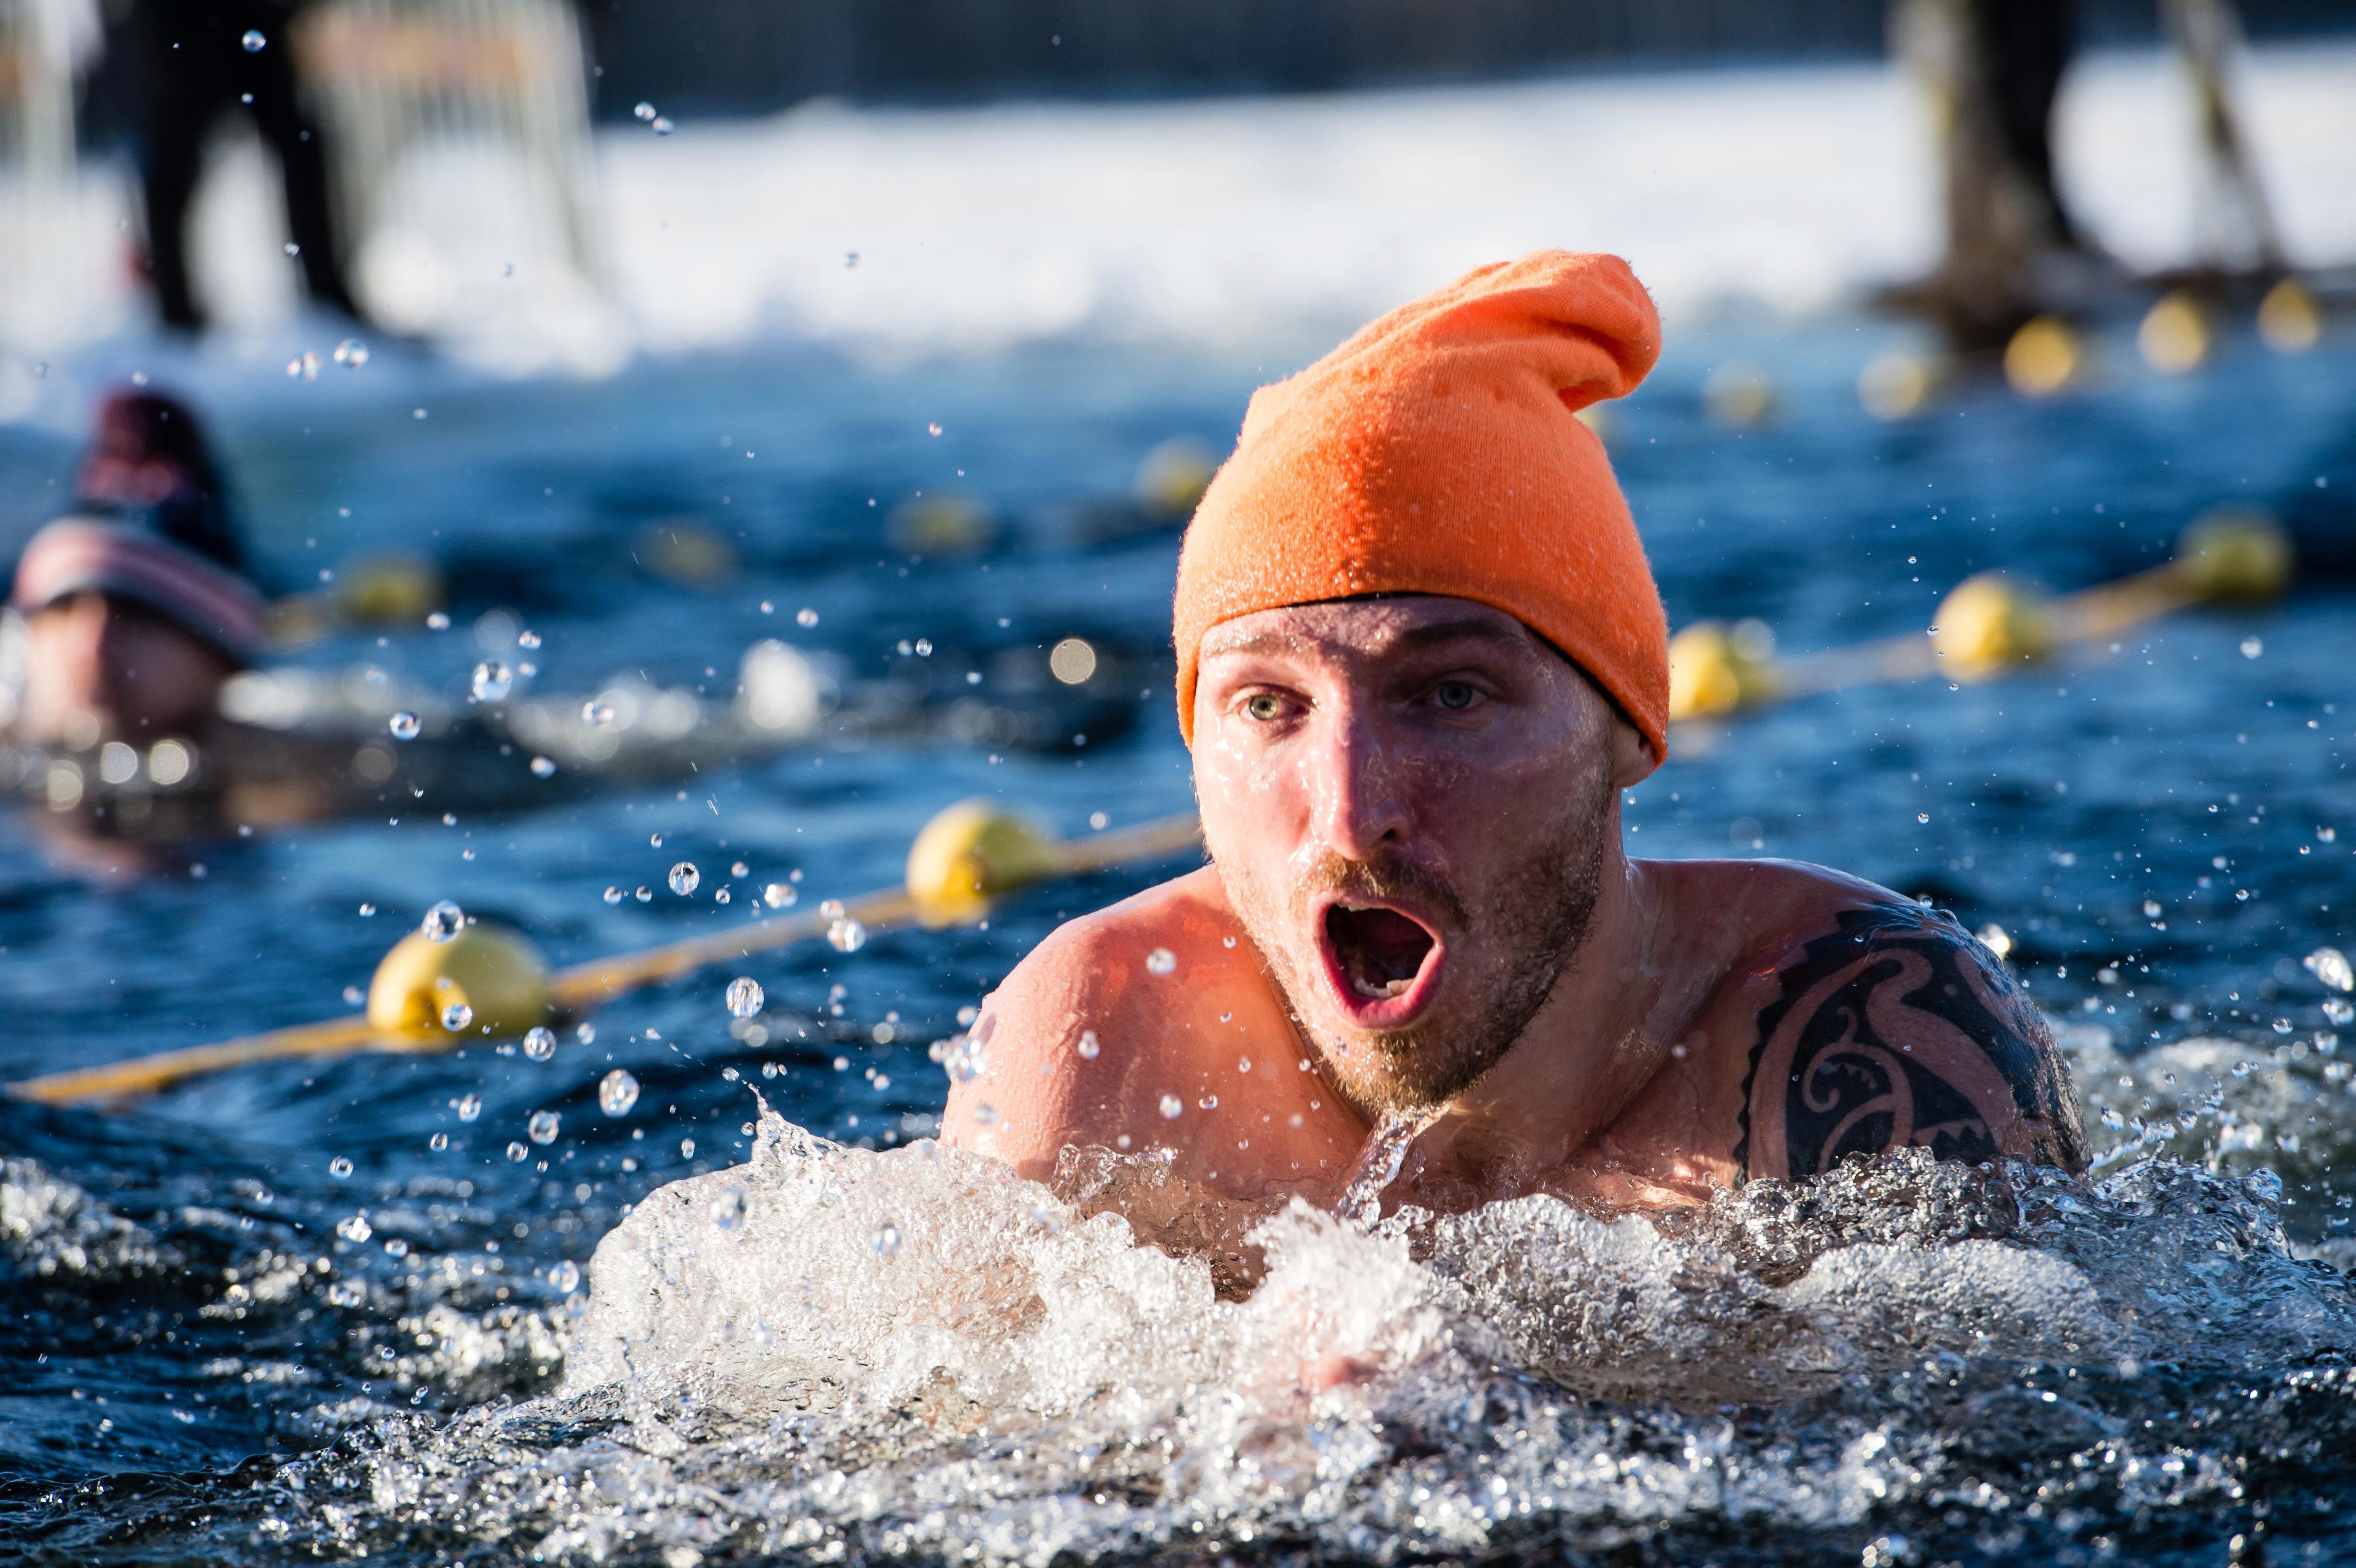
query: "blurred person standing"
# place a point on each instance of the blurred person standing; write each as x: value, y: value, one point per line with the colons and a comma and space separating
x: 130, y: 612
x: 193, y: 61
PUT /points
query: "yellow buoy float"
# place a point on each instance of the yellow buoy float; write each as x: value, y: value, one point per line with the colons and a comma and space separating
x: 2290, y: 319
x: 2235, y: 555
x: 2174, y: 337
x: 1991, y: 625
x: 1716, y: 669
x: 2044, y: 356
x: 971, y: 853
x: 483, y: 980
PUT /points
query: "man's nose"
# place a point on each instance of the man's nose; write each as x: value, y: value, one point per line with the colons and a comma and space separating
x: 1355, y: 795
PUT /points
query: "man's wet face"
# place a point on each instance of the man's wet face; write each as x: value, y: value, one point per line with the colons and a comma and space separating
x: 1410, y: 802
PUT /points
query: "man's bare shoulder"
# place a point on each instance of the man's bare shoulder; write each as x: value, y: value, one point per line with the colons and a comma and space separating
x: 1112, y: 1013
x: 1850, y: 1019
x: 1106, y: 963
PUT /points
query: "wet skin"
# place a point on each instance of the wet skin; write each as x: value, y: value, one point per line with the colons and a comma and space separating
x: 1418, y: 904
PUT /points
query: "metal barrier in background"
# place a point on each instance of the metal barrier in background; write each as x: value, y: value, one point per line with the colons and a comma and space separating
x: 458, y: 141
x: 43, y: 46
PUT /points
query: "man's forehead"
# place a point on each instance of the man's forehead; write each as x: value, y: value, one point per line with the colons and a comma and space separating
x: 1370, y: 627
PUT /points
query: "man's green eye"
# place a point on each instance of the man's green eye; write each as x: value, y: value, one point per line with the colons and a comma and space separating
x: 1454, y: 694
x: 1262, y: 706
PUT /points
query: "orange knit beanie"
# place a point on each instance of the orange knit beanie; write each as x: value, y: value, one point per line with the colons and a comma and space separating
x: 1436, y: 453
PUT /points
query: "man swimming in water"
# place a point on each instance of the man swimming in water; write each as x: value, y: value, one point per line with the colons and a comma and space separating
x: 1420, y: 657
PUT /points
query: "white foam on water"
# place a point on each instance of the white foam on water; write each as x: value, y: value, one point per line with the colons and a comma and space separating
x: 1029, y: 1382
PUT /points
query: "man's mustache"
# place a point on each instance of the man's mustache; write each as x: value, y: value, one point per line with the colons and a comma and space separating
x: 1389, y: 877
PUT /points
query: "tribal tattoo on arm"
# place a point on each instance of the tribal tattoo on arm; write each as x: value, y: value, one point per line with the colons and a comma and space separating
x: 1899, y: 1029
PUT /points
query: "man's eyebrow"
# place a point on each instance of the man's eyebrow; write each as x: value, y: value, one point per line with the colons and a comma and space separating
x: 1473, y: 627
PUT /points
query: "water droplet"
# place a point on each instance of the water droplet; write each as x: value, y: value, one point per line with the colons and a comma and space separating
x: 442, y: 922
x: 1208, y: 1101
x: 1172, y: 1107
x: 2338, y: 1011
x: 744, y: 998
x: 720, y: 897
x: 543, y: 1126
x: 565, y: 1276
x: 469, y: 1107
x: 887, y: 1240
x: 253, y: 41
x: 586, y: 1034
x: 655, y: 839
x: 457, y: 1016
x: 596, y: 714
x: 352, y: 354
x: 1160, y: 961
x: 543, y: 767
x: 846, y: 935
x: 339, y: 1167
x: 354, y: 1228
x: 985, y: 1115
x: 493, y: 681
x: 687, y: 1149
x: 684, y: 876
x: 517, y: 1151
x: 527, y: 638
x: 831, y: 909
x: 1088, y: 1047
x: 616, y: 1093
x: 615, y: 895
x: 2151, y: 909
x: 662, y: 126
x: 805, y: 616
x: 645, y: 111
x: 2331, y: 965
x: 368, y: 912
x: 404, y: 726
x: 540, y: 1042
x: 645, y: 894
x: 728, y: 1208
x: 438, y: 1142
x: 2251, y: 648
x: 779, y: 895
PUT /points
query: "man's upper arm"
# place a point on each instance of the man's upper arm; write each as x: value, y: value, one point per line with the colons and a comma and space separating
x: 1897, y: 1028
x: 1019, y: 1104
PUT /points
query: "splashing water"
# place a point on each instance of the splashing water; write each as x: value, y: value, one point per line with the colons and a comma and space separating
x: 744, y: 998
x: 1379, y: 1163
x: 844, y: 1354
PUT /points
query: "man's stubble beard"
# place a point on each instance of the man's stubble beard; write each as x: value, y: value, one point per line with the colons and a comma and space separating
x: 1539, y: 918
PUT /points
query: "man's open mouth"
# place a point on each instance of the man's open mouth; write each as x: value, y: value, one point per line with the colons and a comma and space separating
x: 1376, y: 954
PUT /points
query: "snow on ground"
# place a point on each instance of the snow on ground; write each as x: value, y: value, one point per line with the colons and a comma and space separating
x: 1219, y: 219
